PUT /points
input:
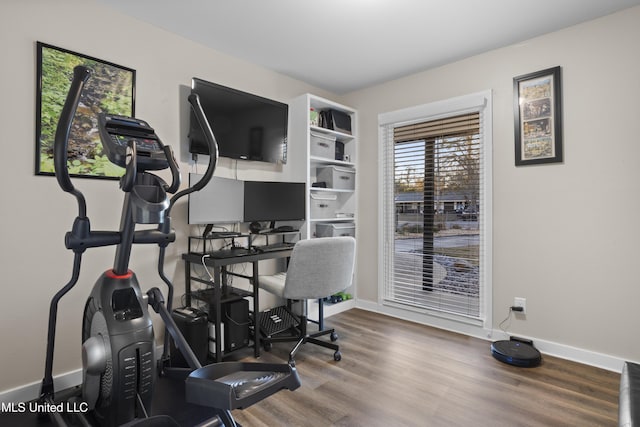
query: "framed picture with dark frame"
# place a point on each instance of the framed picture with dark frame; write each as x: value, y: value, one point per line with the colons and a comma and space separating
x: 537, y: 99
x: 110, y: 89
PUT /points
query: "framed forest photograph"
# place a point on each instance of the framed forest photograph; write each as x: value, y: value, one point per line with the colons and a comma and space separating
x: 538, y: 117
x: 110, y: 89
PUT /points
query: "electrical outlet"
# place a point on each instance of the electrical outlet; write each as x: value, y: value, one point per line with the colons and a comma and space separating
x: 520, y: 302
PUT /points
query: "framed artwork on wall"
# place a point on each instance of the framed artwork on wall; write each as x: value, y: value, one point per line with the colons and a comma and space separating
x: 111, y: 89
x: 537, y: 99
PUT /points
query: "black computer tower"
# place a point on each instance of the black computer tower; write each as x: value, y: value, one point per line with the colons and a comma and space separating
x: 236, y: 323
x: 193, y: 325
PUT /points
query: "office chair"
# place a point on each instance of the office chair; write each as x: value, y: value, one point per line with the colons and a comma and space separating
x: 318, y: 268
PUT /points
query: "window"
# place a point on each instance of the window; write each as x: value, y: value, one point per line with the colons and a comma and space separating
x: 436, y: 208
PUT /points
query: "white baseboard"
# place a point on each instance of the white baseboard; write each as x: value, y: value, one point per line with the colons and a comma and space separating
x: 562, y: 351
x: 31, y: 391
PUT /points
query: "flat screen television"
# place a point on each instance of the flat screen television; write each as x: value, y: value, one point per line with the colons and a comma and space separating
x: 221, y: 201
x: 274, y: 201
x: 246, y: 126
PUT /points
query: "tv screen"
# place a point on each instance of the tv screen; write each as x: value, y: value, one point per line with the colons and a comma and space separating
x: 221, y: 201
x: 274, y: 201
x: 246, y: 126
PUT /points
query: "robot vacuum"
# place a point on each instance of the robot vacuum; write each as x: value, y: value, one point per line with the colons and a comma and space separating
x: 516, y: 352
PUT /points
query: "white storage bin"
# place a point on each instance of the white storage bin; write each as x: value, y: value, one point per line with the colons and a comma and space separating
x: 337, y: 177
x: 323, y: 145
x: 323, y: 205
x: 332, y: 230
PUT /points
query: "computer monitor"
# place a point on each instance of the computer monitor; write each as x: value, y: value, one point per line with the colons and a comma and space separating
x: 274, y: 201
x: 221, y: 201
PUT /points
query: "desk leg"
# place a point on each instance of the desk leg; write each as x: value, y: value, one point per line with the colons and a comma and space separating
x: 256, y: 311
x: 225, y: 280
x: 187, y: 283
x: 217, y: 308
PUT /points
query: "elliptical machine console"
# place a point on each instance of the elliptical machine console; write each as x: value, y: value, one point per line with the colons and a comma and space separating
x: 118, y: 344
x: 119, y: 132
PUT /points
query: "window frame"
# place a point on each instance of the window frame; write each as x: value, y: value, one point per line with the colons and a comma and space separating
x: 480, y: 102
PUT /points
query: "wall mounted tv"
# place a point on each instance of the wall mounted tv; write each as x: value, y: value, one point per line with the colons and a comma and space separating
x: 246, y: 126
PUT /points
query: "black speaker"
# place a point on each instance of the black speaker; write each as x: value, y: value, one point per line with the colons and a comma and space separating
x: 193, y: 325
x: 255, y: 227
x: 236, y: 320
x: 339, y: 150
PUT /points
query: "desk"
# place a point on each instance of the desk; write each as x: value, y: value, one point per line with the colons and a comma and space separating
x: 222, y: 293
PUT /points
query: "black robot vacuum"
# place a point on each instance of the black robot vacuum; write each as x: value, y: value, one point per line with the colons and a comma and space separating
x: 516, y: 352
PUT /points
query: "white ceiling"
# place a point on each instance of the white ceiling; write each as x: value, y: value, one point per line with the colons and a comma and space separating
x: 345, y: 45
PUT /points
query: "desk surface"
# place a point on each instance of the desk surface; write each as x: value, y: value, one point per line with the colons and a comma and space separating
x: 197, y: 257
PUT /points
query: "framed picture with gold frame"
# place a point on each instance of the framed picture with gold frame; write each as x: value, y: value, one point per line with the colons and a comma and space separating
x: 537, y: 101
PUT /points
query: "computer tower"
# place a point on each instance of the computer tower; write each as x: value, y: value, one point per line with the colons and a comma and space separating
x: 192, y: 323
x: 236, y: 322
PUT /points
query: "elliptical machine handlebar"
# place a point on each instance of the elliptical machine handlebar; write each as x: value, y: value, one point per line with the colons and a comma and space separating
x: 80, y: 237
x: 80, y: 76
x: 196, y: 106
x: 175, y: 171
x: 128, y: 180
x: 194, y: 100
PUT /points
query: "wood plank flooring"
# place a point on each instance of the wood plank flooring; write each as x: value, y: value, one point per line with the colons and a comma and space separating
x: 397, y: 373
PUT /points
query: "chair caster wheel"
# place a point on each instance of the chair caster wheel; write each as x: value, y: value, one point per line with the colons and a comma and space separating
x: 337, y: 356
x: 267, y: 346
x: 334, y: 336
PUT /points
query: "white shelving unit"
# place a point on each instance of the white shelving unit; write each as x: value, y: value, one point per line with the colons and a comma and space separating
x: 333, y: 207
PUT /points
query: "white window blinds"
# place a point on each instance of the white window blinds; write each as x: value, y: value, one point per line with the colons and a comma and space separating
x: 433, y: 213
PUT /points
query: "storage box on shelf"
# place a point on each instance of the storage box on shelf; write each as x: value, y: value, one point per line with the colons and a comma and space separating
x: 322, y: 145
x: 324, y: 229
x: 337, y: 177
x: 331, y: 147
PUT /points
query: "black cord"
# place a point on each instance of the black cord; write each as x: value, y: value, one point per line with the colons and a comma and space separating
x: 508, y: 318
x: 235, y: 322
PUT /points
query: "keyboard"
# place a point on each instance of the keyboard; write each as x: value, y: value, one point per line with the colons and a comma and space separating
x: 224, y: 234
x: 275, y: 247
x: 230, y: 253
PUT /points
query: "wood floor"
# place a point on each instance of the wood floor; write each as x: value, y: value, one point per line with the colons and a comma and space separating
x: 397, y: 373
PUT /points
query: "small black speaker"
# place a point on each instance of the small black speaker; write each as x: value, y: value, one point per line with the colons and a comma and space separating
x: 255, y: 227
x: 339, y: 150
x: 192, y: 323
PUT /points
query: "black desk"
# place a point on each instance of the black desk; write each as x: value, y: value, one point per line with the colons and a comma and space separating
x: 221, y: 292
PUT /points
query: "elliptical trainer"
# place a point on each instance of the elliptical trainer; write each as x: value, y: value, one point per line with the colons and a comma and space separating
x: 118, y: 345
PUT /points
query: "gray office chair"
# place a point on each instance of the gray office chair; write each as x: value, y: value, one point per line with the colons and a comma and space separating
x: 318, y: 268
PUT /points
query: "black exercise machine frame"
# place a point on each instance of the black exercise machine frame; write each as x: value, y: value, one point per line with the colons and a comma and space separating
x: 201, y: 384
